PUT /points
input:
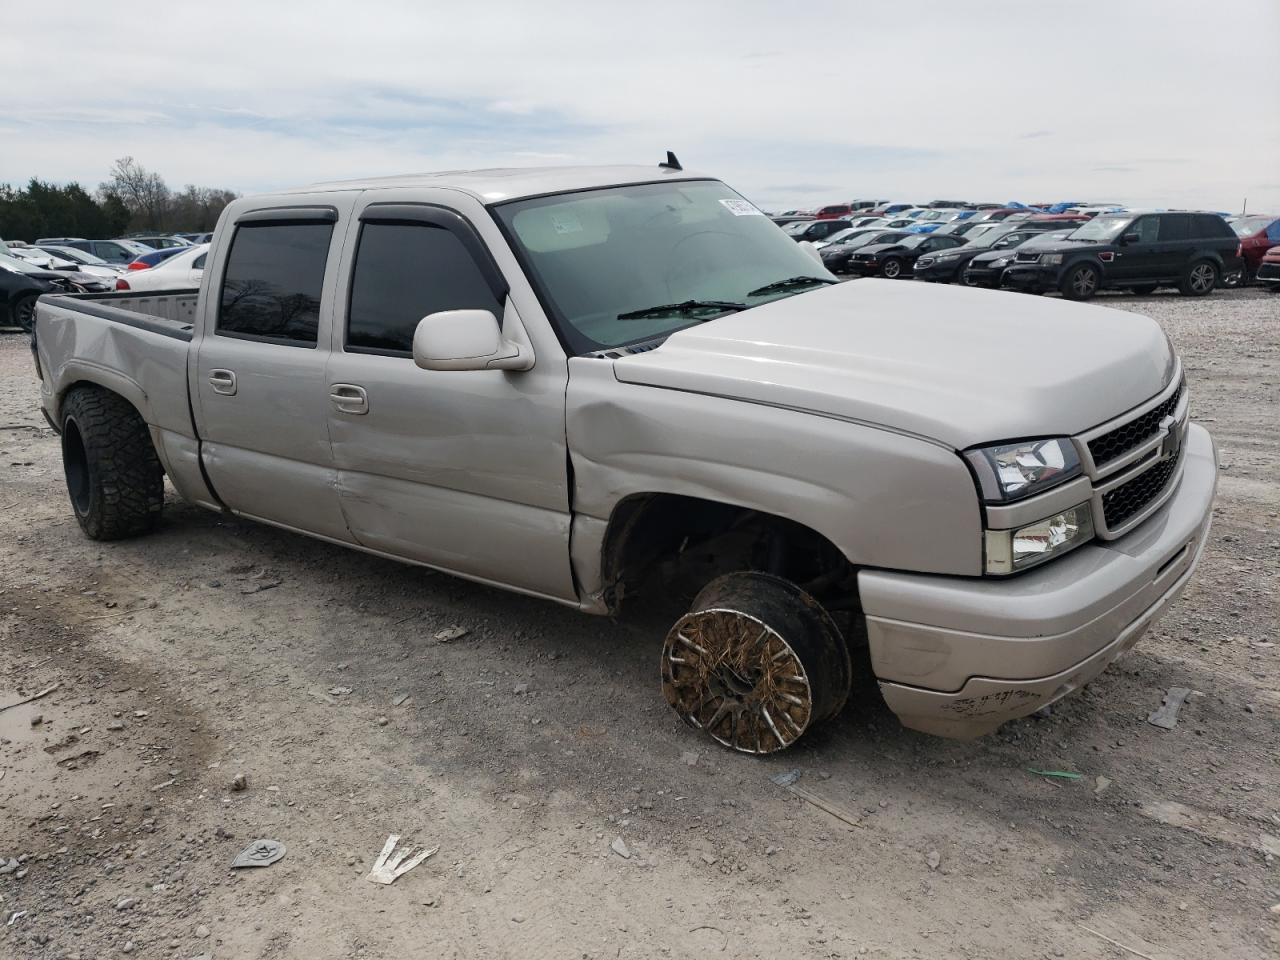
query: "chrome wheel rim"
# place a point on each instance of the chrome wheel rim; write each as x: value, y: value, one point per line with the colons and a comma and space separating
x: 891, y: 269
x: 1202, y: 278
x: 735, y: 677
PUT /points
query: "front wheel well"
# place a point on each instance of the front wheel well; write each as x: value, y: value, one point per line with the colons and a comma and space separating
x: 669, y: 546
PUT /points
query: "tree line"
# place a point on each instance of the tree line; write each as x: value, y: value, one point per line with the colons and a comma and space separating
x: 132, y: 199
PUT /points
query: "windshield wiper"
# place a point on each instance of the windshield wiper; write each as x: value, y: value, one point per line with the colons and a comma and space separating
x: 685, y: 306
x: 787, y: 284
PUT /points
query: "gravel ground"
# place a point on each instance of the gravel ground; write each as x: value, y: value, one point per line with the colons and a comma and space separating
x: 526, y: 748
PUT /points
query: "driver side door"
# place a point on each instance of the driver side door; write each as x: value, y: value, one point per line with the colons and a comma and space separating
x: 462, y: 470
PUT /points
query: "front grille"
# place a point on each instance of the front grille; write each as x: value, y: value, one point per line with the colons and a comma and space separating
x: 1269, y: 271
x: 1129, y: 499
x: 1122, y: 439
x: 1025, y: 257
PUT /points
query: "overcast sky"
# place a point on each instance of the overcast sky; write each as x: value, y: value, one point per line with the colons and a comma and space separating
x: 1146, y: 102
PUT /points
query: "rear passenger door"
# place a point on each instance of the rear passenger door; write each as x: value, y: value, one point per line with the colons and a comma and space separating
x: 462, y: 470
x: 260, y: 391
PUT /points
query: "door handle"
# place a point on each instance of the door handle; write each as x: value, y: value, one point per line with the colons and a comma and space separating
x: 223, y: 382
x: 349, y: 398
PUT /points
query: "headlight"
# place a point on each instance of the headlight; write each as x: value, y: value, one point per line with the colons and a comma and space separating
x: 1051, y: 258
x: 1012, y: 471
x: 1002, y: 262
x: 1012, y: 550
x: 948, y: 256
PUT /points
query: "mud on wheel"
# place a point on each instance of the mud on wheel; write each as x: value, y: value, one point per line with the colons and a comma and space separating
x: 755, y: 663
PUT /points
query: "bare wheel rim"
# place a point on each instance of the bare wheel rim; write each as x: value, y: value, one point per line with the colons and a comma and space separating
x: 735, y: 677
x: 1202, y: 278
x: 1083, y: 281
x: 891, y: 269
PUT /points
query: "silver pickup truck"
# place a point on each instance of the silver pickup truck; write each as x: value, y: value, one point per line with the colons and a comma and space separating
x: 595, y: 385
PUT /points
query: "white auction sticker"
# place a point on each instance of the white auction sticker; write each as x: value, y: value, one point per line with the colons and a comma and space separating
x: 741, y: 208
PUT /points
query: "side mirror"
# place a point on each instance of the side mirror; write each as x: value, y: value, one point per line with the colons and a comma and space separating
x: 1128, y: 238
x: 466, y: 340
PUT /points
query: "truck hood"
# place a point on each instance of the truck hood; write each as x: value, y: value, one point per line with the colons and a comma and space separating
x: 959, y: 366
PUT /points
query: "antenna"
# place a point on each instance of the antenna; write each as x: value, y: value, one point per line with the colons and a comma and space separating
x: 671, y: 162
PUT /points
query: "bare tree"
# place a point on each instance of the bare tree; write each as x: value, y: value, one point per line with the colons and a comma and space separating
x: 143, y: 192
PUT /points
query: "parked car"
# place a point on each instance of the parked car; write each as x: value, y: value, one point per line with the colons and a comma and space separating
x: 1135, y: 251
x: 783, y: 219
x: 159, y: 242
x: 150, y: 259
x: 38, y: 257
x: 833, y: 211
x: 814, y: 229
x: 894, y: 260
x: 20, y: 287
x: 1258, y: 233
x: 1269, y: 270
x: 948, y: 266
x: 890, y: 490
x: 837, y: 256
x: 87, y: 262
x: 81, y: 282
x: 195, y: 238
x: 112, y: 251
x: 987, y: 267
x: 181, y: 271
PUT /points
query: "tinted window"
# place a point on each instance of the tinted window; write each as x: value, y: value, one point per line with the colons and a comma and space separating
x: 199, y: 263
x: 404, y: 272
x: 1210, y: 225
x: 273, y: 279
x: 1175, y: 226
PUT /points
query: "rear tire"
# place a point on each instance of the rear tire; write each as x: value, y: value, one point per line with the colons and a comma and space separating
x: 1200, y: 279
x: 1081, y: 282
x: 114, y: 477
x: 891, y: 268
x: 24, y: 312
x: 755, y: 663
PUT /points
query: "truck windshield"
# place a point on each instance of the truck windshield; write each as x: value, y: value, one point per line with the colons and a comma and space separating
x: 598, y: 255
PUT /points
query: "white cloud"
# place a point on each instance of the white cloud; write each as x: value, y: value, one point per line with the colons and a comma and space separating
x: 1146, y: 102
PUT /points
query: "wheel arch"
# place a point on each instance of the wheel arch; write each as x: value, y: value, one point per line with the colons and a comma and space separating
x: 82, y: 373
x: 655, y: 526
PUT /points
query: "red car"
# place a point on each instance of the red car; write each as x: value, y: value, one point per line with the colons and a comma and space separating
x: 1258, y: 233
x: 833, y: 211
x: 1269, y: 270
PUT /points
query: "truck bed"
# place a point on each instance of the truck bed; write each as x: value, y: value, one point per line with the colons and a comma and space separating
x: 136, y: 346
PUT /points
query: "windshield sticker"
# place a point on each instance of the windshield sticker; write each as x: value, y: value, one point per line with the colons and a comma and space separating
x: 566, y: 222
x: 741, y: 208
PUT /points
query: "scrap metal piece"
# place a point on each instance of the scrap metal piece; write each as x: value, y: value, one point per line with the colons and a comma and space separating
x: 1167, y: 715
x: 388, y: 867
x: 260, y: 853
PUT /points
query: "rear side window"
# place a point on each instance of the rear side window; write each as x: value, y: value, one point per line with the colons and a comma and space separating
x: 403, y: 272
x: 199, y: 262
x: 1210, y: 226
x: 1174, y: 226
x: 272, y: 283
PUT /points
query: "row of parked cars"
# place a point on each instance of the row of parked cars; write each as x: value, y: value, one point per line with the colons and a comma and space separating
x: 77, y: 265
x: 1075, y: 249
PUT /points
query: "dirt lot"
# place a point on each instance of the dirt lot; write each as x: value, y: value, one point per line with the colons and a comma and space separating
x: 526, y: 747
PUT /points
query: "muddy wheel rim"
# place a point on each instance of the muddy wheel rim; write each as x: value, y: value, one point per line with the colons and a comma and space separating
x: 1084, y: 281
x: 1202, y: 278
x: 891, y: 269
x: 738, y: 679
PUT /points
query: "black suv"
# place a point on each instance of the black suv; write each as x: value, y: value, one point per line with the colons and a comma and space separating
x: 1138, y: 251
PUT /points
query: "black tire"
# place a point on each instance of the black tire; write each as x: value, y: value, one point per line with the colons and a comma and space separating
x: 1144, y: 290
x: 892, y: 268
x: 114, y: 478
x: 24, y: 312
x: 1200, y: 279
x: 1080, y: 282
x: 755, y: 663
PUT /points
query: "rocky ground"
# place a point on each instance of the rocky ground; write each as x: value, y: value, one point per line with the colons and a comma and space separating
x: 574, y: 815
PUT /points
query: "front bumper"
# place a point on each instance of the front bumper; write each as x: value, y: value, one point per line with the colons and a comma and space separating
x: 982, y: 275
x: 958, y: 657
x: 944, y: 271
x: 1031, y: 277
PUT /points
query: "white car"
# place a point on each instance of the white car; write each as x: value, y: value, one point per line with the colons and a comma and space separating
x: 85, y: 262
x: 40, y: 258
x: 182, y: 271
